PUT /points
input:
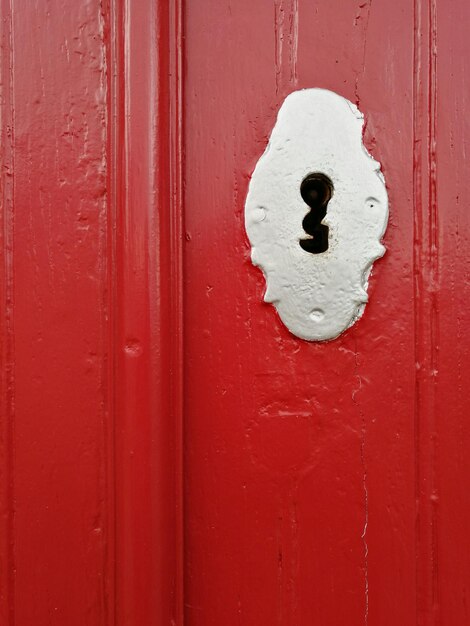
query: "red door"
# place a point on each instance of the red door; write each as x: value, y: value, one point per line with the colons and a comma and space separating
x: 170, y: 453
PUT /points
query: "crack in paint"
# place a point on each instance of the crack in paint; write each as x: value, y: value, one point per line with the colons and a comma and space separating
x: 366, y: 523
x: 364, y: 486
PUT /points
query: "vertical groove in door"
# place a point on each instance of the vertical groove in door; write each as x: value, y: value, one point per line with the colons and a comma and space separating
x: 426, y: 273
x: 176, y: 209
x: 7, y: 564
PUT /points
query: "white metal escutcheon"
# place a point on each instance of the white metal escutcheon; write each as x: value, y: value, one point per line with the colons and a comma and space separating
x: 315, y: 213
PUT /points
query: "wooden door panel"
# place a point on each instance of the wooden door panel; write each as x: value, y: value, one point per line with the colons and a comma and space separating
x: 300, y: 467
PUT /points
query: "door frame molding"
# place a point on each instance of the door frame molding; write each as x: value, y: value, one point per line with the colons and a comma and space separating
x: 146, y: 309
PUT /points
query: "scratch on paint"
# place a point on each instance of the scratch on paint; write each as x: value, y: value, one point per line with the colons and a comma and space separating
x: 279, y: 569
x: 286, y: 15
x: 294, y: 527
x: 364, y: 486
x: 364, y: 5
x: 294, y: 39
x: 278, y: 40
x: 366, y: 523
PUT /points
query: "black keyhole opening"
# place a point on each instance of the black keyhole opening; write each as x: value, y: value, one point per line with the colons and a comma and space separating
x: 316, y: 190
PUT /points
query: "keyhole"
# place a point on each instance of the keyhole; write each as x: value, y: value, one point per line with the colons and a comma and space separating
x: 316, y: 191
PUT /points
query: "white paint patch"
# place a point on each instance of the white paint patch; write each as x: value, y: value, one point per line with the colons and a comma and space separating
x: 317, y: 296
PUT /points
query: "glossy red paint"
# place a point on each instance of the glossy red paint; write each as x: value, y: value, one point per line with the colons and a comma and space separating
x: 323, y: 483
x: 91, y: 393
x: 55, y: 500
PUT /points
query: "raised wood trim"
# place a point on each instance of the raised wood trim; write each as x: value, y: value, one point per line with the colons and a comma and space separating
x: 147, y: 309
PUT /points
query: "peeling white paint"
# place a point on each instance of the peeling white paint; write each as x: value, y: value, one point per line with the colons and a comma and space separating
x: 317, y: 296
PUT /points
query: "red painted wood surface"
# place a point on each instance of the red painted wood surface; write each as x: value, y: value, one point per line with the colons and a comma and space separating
x: 55, y: 498
x: 323, y: 483
x: 328, y: 484
x: 91, y: 389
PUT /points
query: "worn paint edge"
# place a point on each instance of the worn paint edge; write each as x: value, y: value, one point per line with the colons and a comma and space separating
x: 7, y: 376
